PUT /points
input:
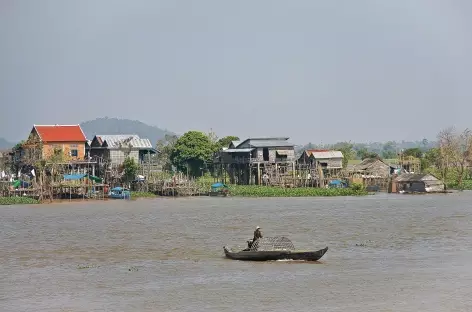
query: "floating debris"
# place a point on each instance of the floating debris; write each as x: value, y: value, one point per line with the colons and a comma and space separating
x: 365, y: 244
x: 81, y: 267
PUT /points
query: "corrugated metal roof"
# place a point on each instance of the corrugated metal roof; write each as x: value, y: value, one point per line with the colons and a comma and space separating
x: 269, y: 138
x: 270, y: 143
x: 115, y: 137
x: 327, y: 154
x: 238, y: 150
x: 235, y: 143
x: 113, y: 141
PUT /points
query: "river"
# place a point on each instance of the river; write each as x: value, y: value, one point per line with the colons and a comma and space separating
x: 386, y: 253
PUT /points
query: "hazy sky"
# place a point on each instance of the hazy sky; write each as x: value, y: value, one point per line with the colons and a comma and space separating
x: 319, y: 71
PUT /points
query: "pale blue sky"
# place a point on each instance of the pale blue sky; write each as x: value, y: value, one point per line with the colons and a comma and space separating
x: 319, y: 71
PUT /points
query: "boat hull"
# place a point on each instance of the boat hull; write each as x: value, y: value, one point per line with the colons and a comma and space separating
x: 275, y: 255
x: 218, y: 194
x: 118, y: 197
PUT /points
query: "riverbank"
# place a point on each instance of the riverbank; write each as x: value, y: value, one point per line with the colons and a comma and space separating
x: 248, y: 191
x: 24, y: 200
x: 18, y: 201
x: 466, y: 185
x: 273, y: 191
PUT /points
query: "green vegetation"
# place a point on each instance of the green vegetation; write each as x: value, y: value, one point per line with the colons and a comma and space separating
x: 18, y: 200
x: 226, y: 141
x: 130, y: 169
x: 165, y: 147
x: 452, y: 177
x: 192, y: 151
x: 142, y: 195
x: 206, y: 181
x: 466, y: 185
x: 271, y: 191
x: 347, y: 149
x: 358, y: 187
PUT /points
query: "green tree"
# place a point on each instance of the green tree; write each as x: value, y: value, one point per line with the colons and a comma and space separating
x: 431, y: 159
x: 347, y: 149
x: 362, y: 153
x: 425, y: 143
x: 130, y: 169
x: 192, y: 151
x: 415, y: 152
x: 455, y: 150
x: 19, y: 145
x: 389, y: 154
x: 226, y: 141
x: 388, y: 150
x: 165, y: 147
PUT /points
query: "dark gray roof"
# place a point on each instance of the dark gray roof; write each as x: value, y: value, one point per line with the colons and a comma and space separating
x: 268, y: 142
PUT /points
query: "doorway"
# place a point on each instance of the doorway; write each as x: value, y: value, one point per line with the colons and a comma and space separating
x: 265, y: 154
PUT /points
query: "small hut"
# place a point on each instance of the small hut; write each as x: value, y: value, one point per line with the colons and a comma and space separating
x: 373, y: 173
x: 418, y: 183
x: 372, y: 168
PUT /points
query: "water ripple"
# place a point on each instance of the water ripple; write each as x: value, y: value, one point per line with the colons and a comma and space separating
x: 387, y: 253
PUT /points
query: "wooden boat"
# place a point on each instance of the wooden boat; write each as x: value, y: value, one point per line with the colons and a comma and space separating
x: 275, y: 255
x: 273, y: 248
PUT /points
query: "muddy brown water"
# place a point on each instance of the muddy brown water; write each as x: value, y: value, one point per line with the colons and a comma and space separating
x: 386, y: 253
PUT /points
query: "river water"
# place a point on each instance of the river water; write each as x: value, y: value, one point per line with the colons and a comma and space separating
x: 386, y: 253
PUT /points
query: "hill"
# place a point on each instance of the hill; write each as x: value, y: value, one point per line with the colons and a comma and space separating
x: 4, y: 144
x: 107, y: 125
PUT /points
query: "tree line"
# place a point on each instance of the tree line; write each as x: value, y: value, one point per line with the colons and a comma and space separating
x: 449, y: 157
x: 192, y: 152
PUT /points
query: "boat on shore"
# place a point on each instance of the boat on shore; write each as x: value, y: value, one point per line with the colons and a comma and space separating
x: 219, y: 189
x: 119, y: 193
x: 271, y: 249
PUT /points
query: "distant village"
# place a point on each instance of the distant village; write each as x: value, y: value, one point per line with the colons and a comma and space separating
x: 63, y: 151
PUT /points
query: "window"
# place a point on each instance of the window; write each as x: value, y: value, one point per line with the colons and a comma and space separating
x: 74, y: 153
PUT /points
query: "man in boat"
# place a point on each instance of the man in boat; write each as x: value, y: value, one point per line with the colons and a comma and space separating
x: 257, y: 235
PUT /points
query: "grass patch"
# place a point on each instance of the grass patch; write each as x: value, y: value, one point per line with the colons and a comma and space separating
x: 18, y: 200
x: 272, y: 191
x: 142, y: 195
x: 466, y: 185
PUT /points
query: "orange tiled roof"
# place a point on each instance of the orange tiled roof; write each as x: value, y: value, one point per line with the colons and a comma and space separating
x: 60, y: 133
